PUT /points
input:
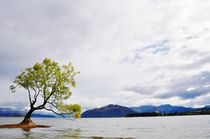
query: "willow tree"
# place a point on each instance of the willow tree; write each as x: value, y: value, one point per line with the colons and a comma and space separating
x: 48, y: 85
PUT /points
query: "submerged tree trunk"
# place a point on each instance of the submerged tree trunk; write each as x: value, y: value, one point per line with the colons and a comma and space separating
x: 27, y: 118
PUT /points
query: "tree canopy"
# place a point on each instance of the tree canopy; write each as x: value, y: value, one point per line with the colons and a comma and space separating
x: 48, y: 86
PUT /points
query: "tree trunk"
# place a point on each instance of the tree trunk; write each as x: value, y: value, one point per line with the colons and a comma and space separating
x: 27, y: 118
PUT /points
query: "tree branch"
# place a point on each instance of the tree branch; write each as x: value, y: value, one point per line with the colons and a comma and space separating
x: 52, y: 105
x: 61, y: 114
x: 29, y: 95
x: 44, y: 92
x: 34, y: 93
x: 38, y: 93
x: 52, y: 92
x: 54, y: 112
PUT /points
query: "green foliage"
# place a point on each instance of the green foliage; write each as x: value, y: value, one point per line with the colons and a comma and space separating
x: 73, y: 109
x: 50, y: 81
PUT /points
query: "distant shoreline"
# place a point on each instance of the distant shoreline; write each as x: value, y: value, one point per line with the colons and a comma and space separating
x: 154, y: 114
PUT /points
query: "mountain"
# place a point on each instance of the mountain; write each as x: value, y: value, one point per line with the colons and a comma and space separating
x: 163, y: 109
x: 13, y: 112
x: 145, y: 108
x: 198, y: 111
x: 108, y: 111
x: 10, y: 112
x: 204, y: 110
x: 206, y: 107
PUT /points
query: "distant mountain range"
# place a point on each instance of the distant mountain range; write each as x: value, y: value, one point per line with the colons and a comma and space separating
x: 163, y: 109
x: 108, y: 111
x: 146, y: 110
x: 11, y: 112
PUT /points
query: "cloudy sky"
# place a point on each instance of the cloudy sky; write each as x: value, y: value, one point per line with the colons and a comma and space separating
x: 130, y: 53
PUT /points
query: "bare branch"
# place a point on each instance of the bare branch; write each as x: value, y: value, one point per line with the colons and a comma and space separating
x: 39, y: 107
x: 34, y: 93
x: 38, y: 93
x: 29, y: 95
x: 44, y: 92
x: 54, y: 111
x: 60, y: 114
x: 52, y: 105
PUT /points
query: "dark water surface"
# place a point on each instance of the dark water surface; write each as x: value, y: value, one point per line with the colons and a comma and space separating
x: 176, y: 127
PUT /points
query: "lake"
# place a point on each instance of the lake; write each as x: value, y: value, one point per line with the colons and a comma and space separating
x: 176, y: 127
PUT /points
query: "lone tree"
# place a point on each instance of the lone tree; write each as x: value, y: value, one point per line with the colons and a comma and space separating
x: 48, y: 85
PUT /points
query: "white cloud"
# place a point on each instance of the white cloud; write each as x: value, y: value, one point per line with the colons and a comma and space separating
x: 128, y: 52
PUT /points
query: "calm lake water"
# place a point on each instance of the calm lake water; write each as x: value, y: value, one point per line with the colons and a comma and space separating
x: 179, y: 127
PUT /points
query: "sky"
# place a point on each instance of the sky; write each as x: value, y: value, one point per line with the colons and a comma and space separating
x: 131, y: 53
